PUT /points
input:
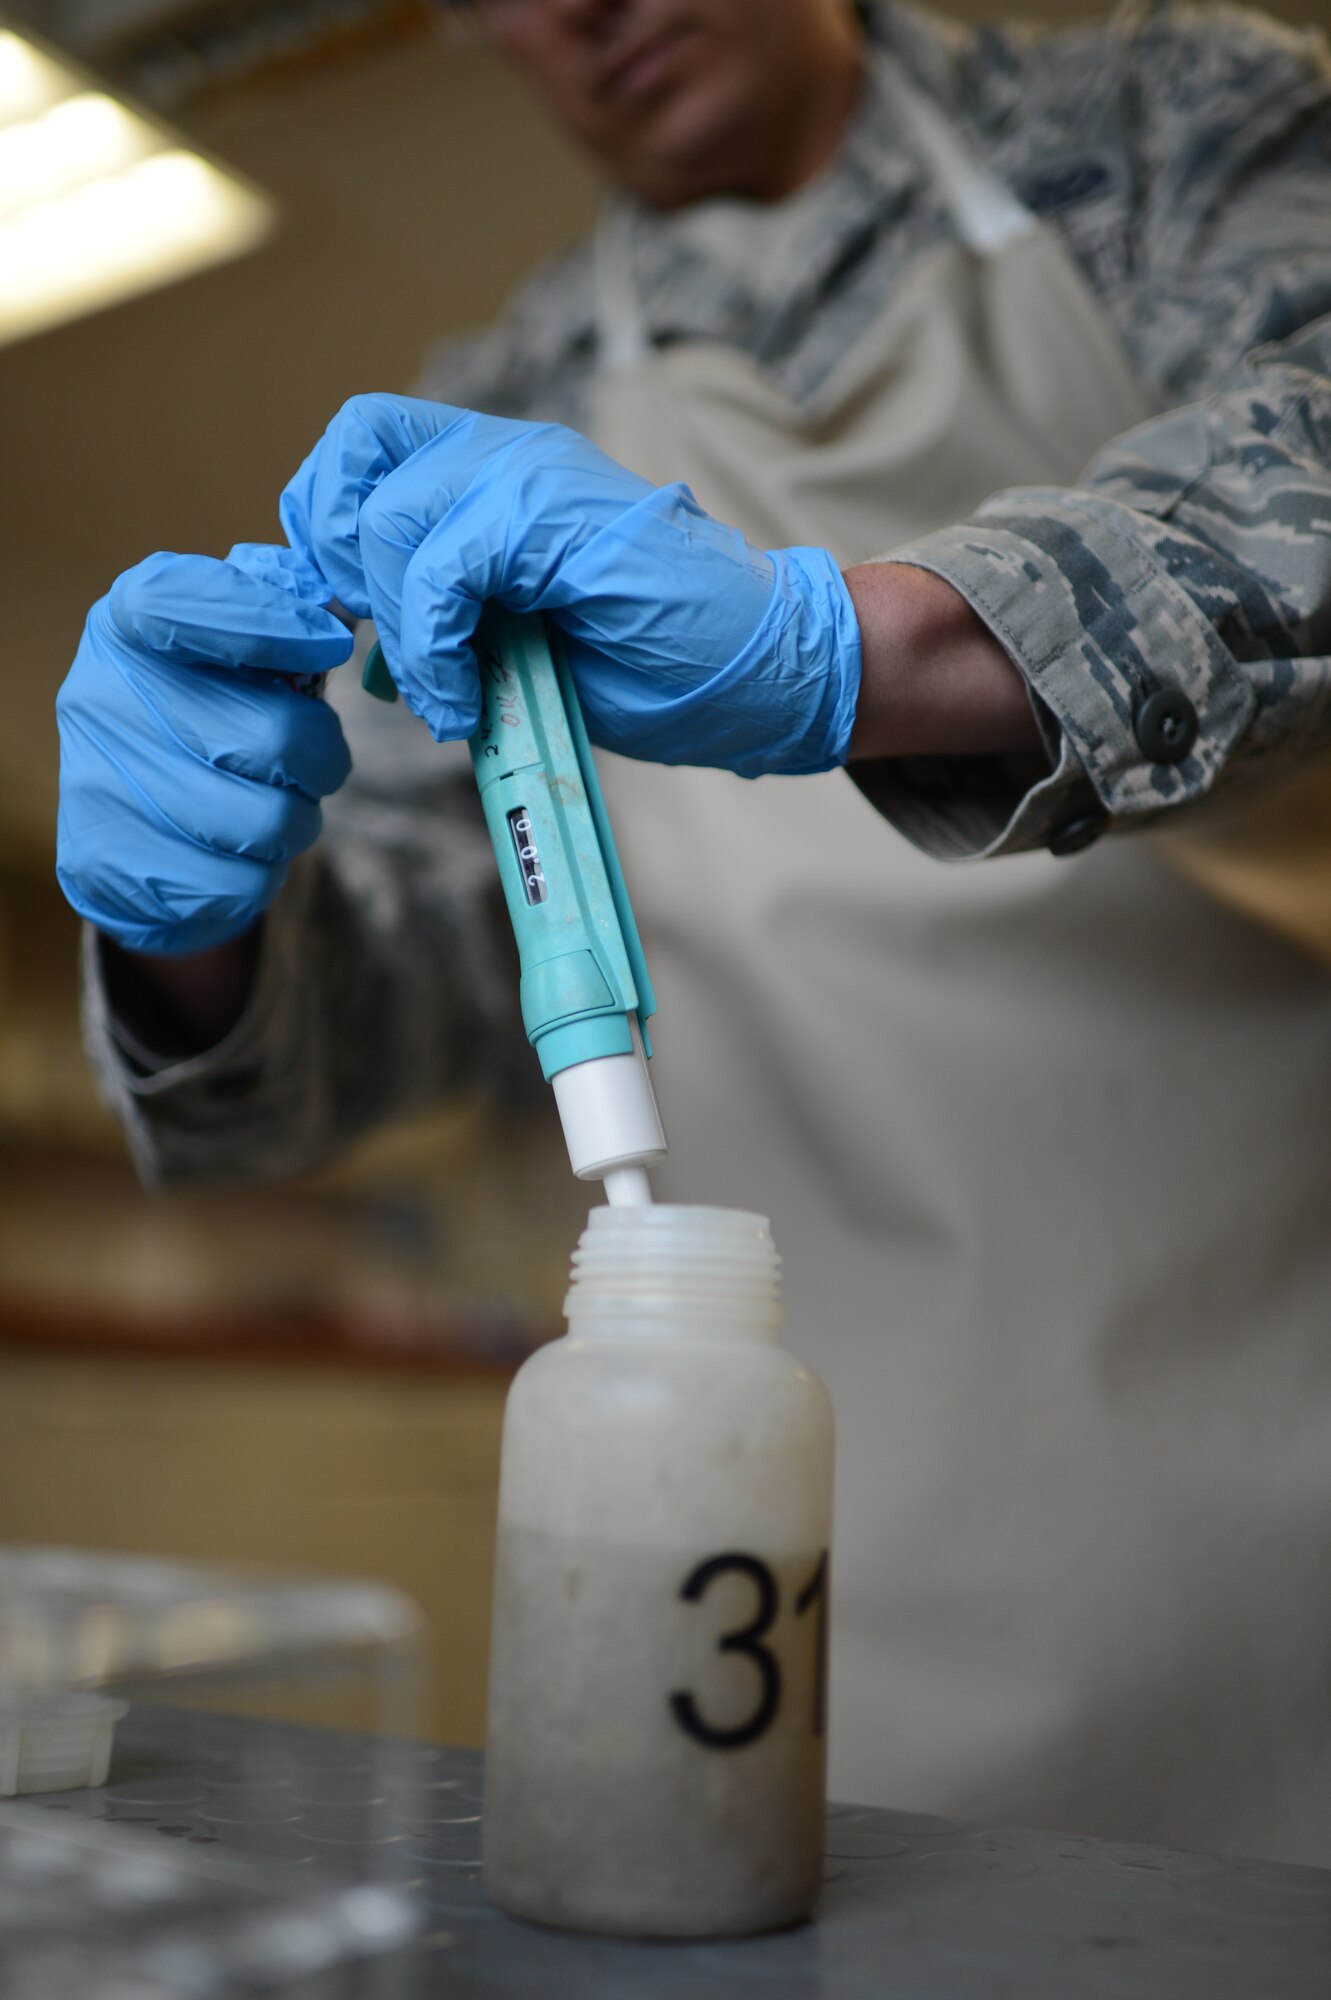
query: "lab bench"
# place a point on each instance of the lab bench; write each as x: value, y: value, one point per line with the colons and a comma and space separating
x: 913, y: 1907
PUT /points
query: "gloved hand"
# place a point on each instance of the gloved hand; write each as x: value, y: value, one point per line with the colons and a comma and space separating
x: 189, y: 773
x: 688, y: 645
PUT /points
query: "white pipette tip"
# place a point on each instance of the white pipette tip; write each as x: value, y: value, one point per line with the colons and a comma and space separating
x: 611, y: 1124
x: 628, y: 1187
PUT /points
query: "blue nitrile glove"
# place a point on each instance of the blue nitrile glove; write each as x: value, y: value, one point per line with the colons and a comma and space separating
x: 688, y: 645
x: 190, y: 774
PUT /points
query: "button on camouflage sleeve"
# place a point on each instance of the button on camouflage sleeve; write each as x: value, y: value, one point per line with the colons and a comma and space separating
x: 1194, y: 559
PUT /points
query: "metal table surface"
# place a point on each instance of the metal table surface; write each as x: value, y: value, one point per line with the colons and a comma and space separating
x: 913, y: 1908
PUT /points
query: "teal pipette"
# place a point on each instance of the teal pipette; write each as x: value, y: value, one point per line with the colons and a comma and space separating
x: 585, y: 992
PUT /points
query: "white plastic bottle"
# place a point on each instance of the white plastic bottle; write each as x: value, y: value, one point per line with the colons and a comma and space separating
x: 655, y: 1752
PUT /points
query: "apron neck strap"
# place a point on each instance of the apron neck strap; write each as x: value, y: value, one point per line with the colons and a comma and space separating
x: 620, y: 320
x: 986, y: 214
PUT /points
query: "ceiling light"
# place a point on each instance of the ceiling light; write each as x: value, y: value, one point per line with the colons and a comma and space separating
x: 29, y: 80
x: 98, y: 202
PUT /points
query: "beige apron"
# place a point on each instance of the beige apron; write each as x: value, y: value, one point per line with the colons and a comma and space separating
x: 1045, y: 1145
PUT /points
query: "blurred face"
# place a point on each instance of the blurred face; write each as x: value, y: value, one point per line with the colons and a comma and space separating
x: 687, y: 98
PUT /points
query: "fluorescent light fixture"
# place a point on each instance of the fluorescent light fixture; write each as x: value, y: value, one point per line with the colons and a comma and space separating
x: 98, y: 202
x: 29, y: 80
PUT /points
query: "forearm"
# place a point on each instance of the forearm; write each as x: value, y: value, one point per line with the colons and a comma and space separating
x: 180, y: 1006
x: 935, y: 681
x: 1191, y: 559
x: 1189, y: 568
x: 374, y: 992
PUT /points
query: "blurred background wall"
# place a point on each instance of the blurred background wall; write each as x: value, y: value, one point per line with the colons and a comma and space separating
x: 316, y: 1378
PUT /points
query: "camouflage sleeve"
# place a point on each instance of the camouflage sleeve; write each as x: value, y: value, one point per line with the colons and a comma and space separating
x: 384, y: 983
x: 1194, y: 558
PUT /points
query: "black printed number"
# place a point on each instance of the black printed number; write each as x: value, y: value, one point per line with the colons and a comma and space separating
x: 748, y: 1641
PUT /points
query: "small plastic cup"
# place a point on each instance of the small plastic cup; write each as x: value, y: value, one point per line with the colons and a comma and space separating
x: 55, y: 1742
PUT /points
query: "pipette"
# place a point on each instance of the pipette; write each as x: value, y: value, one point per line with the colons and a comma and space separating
x: 585, y: 992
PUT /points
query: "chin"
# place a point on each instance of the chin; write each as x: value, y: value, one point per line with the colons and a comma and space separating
x: 691, y: 146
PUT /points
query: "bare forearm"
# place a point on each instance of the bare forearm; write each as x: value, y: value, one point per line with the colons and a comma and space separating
x: 936, y: 682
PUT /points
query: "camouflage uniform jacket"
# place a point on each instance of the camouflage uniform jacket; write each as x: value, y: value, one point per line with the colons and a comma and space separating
x: 1184, y: 156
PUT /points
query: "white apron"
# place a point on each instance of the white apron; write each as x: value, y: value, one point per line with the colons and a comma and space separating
x: 1044, y: 1144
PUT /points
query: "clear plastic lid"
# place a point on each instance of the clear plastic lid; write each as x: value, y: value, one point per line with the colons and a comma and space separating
x: 71, y: 1619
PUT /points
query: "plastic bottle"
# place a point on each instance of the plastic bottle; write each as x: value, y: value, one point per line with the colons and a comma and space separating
x: 655, y: 1752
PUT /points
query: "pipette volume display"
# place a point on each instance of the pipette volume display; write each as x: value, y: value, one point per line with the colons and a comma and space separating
x: 534, y: 884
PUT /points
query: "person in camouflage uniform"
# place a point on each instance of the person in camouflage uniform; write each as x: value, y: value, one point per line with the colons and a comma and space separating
x: 1184, y: 155
x: 1183, y: 158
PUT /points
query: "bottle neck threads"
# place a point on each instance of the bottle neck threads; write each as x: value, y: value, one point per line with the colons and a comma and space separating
x: 669, y: 1270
